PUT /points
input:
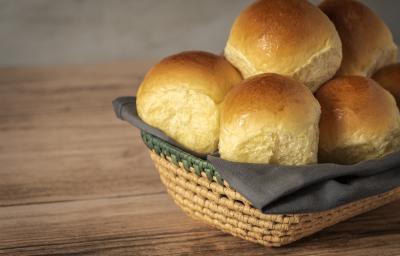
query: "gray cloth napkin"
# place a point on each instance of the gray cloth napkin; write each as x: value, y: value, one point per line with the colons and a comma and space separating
x: 277, y: 189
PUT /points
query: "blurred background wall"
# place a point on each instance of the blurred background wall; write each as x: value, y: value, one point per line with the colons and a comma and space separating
x: 46, y: 32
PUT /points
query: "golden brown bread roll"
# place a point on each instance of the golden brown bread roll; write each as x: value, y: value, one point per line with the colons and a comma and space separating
x: 359, y: 120
x: 181, y: 96
x: 270, y: 118
x: 367, y: 42
x: 291, y: 37
x: 389, y: 78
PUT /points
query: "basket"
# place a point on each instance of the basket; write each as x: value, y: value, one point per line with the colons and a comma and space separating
x: 199, y: 190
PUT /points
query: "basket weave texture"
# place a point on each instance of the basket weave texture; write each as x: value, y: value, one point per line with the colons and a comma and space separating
x: 197, y: 188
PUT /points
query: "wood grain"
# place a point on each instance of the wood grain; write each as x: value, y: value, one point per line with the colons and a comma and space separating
x: 75, y: 180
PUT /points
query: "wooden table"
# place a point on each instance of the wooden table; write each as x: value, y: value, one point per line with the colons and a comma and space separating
x: 75, y: 180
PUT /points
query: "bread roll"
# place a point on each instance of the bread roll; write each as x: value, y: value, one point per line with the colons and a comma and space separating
x: 389, y: 78
x: 270, y: 118
x: 359, y: 120
x: 291, y: 37
x: 181, y: 96
x: 367, y: 42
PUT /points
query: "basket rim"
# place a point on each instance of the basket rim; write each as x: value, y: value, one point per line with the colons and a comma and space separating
x: 177, y: 156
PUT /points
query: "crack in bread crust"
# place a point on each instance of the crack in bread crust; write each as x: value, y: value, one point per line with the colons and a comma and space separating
x: 319, y: 68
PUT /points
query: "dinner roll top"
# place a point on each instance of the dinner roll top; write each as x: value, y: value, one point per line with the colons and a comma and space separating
x: 359, y: 120
x: 389, y: 78
x: 291, y: 37
x: 270, y: 119
x: 367, y: 42
x: 181, y: 96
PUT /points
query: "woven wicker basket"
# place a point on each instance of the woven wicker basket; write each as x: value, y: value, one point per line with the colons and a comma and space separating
x: 198, y: 189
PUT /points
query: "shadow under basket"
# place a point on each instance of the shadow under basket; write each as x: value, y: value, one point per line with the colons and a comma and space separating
x: 199, y: 190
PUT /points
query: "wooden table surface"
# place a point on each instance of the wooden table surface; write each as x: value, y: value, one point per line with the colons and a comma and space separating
x: 75, y: 180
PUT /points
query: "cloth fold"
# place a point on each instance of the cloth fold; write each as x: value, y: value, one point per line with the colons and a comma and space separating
x: 277, y: 189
